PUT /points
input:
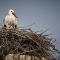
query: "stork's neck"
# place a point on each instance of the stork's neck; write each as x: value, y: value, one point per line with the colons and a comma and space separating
x: 11, y: 15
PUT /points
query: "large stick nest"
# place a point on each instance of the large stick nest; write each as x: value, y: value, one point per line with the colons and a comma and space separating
x: 24, y: 41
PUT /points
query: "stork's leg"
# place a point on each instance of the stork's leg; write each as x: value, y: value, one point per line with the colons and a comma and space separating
x: 15, y: 26
x: 4, y: 25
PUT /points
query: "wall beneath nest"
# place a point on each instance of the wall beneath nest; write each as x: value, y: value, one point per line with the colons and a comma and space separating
x: 22, y: 57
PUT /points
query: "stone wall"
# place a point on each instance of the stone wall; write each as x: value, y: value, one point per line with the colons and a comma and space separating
x: 20, y: 57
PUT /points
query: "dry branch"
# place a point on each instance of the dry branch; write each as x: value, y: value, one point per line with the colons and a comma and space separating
x: 24, y: 41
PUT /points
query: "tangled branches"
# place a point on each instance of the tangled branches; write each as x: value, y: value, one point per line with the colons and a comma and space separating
x: 25, y: 41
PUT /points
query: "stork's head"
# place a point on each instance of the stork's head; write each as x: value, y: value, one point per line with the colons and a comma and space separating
x: 12, y: 12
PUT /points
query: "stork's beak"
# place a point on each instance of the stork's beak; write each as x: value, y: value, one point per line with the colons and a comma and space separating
x: 14, y: 14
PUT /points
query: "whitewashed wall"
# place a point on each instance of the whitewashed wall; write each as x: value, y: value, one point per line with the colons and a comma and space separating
x: 20, y: 57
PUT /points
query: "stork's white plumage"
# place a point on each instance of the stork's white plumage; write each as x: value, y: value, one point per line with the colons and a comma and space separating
x: 10, y: 20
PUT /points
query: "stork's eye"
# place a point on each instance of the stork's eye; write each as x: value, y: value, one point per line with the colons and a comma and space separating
x: 11, y: 11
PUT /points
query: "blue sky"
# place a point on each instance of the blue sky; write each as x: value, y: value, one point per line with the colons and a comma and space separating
x: 44, y: 13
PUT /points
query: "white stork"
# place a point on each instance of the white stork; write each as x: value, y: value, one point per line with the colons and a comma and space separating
x: 10, y: 20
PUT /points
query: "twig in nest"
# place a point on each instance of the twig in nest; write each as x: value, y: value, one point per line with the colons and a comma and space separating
x: 27, y: 26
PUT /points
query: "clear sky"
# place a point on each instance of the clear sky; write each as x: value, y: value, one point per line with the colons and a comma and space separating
x: 44, y: 13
